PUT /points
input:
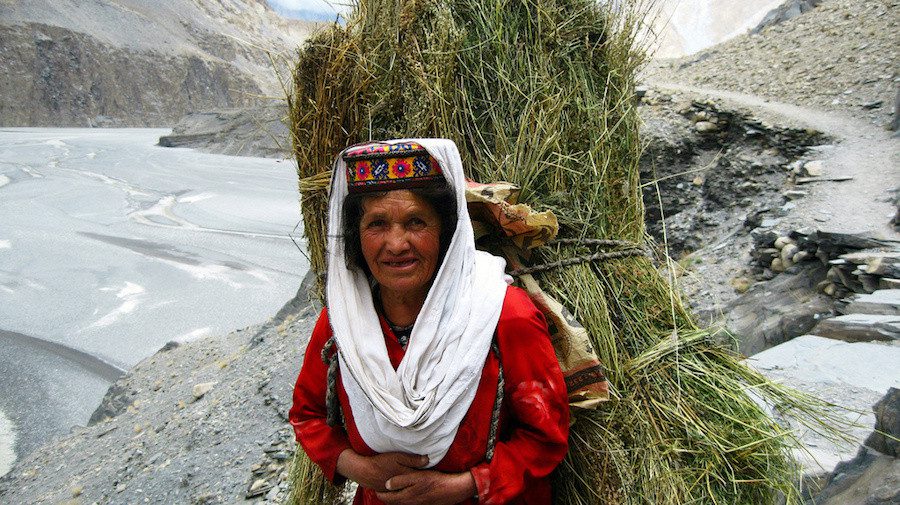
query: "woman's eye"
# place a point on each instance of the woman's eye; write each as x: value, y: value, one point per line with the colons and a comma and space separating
x: 416, y: 223
x: 377, y: 223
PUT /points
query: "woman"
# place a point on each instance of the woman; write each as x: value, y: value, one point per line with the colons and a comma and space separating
x: 443, y: 375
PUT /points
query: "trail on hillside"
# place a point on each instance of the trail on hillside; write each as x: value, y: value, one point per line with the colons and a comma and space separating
x: 868, y: 154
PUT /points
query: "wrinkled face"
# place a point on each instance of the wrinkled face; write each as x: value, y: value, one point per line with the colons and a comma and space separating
x: 400, y: 238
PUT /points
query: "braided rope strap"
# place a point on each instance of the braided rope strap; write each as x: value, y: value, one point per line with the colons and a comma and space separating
x: 498, y: 400
x: 631, y: 249
x: 332, y: 407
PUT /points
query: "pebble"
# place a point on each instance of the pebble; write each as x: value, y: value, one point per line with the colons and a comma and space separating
x: 788, y: 252
x: 794, y: 194
x: 814, y: 168
x: 741, y: 284
x: 706, y: 127
x: 201, y: 389
x: 780, y: 242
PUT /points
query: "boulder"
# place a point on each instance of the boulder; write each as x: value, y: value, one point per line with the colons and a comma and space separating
x: 883, y: 301
x: 860, y: 327
x: 814, y: 168
x: 887, y: 424
x: 867, y: 479
x: 770, y: 313
x: 851, y: 375
x: 840, y: 242
x: 883, y: 263
x: 706, y: 127
x: 200, y: 390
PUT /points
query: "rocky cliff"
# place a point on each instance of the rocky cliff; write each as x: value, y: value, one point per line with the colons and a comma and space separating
x: 136, y: 63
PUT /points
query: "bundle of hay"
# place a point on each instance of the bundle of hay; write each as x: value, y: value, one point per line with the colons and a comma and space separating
x: 540, y: 93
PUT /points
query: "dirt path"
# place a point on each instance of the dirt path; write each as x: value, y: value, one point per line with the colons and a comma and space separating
x: 862, y: 151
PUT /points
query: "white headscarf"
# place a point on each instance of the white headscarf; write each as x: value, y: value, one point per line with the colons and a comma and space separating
x: 418, y: 407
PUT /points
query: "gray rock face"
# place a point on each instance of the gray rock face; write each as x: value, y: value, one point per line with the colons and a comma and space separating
x: 774, y: 312
x: 860, y: 327
x: 135, y: 63
x: 256, y: 131
x: 887, y: 425
x: 867, y: 479
x: 852, y: 375
x: 82, y: 81
x: 788, y: 10
x: 883, y: 301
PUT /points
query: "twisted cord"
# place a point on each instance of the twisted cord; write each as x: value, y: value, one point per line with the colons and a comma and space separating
x: 498, y: 400
x: 596, y: 257
x: 332, y: 407
x: 596, y: 242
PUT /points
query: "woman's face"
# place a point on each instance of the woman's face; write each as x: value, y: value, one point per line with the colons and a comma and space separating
x: 400, y: 239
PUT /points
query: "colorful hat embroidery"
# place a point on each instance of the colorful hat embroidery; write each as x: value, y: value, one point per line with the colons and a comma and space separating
x: 382, y: 167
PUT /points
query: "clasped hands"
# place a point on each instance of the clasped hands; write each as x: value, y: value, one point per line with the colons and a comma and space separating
x: 399, y: 479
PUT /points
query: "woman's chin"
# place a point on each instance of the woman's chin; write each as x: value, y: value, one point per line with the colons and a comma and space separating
x: 403, y: 285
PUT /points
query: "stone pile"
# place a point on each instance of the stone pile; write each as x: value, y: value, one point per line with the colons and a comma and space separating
x: 856, y: 263
x: 712, y: 120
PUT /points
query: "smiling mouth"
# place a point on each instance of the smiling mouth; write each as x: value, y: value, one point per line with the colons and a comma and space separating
x: 400, y: 264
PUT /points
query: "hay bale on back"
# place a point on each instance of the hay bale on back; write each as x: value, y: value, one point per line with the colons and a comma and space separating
x: 540, y: 93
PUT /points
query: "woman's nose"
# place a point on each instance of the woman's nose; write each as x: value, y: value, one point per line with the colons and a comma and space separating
x: 397, y: 242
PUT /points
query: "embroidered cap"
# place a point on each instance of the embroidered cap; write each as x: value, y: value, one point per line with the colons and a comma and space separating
x: 378, y: 166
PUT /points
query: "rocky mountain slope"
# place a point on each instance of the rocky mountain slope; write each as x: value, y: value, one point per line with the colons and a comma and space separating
x: 201, y: 422
x: 136, y: 63
x: 842, y: 55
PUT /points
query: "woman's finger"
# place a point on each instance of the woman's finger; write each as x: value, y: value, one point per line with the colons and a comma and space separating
x: 399, y: 482
x: 414, y: 460
x: 401, y: 497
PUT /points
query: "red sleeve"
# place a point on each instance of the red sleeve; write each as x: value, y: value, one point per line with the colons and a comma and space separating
x: 535, y: 393
x: 322, y: 443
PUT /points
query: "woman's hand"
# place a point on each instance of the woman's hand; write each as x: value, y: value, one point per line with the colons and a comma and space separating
x: 427, y: 487
x: 373, y: 472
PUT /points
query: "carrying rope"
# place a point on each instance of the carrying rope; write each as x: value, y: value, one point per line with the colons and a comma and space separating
x: 333, y: 415
x: 498, y: 399
x: 332, y: 406
x: 630, y: 249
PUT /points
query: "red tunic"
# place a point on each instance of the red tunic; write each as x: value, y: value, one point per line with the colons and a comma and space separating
x: 534, y: 416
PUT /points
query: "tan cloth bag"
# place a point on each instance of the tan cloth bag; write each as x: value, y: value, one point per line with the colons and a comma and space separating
x: 494, y: 207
